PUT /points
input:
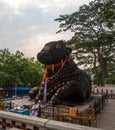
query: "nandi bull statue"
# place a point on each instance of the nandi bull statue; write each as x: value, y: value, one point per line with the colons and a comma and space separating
x: 63, y: 80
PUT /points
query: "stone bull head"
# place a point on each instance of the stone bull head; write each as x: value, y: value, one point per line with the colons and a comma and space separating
x: 53, y: 53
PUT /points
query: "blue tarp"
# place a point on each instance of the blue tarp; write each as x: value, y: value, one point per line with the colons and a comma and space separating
x: 18, y: 91
x: 22, y: 112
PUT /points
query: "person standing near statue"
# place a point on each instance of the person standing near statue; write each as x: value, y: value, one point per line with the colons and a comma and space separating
x: 34, y: 109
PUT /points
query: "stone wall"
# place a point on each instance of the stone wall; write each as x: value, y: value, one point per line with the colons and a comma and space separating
x: 23, y: 122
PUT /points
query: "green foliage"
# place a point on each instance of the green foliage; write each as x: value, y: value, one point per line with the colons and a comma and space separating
x: 94, y: 34
x: 110, y: 80
x: 15, y: 69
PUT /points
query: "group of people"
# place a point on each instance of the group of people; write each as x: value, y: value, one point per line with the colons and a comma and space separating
x: 35, y: 110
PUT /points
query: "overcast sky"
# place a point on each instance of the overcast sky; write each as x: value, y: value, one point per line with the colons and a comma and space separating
x: 26, y: 25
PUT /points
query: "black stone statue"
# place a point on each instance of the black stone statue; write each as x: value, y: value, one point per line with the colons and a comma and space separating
x: 65, y: 81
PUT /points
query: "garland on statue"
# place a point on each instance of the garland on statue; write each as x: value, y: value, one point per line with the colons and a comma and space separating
x: 45, y: 77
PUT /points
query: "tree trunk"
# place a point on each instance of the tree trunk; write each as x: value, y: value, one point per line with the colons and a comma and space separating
x: 102, y: 78
x: 103, y: 66
x: 103, y: 72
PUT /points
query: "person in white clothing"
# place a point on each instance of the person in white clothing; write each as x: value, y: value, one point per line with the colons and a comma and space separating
x: 34, y: 109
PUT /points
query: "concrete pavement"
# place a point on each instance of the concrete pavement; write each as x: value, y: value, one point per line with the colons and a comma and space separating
x: 106, y: 118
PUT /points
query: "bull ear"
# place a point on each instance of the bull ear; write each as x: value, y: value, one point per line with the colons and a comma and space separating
x: 68, y: 51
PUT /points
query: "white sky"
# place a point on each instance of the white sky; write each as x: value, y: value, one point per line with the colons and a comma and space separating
x: 27, y: 25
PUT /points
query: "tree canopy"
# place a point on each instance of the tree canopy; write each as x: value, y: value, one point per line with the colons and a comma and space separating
x: 94, y: 34
x: 15, y: 70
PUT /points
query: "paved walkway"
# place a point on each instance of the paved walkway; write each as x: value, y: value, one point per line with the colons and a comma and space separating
x: 106, y: 118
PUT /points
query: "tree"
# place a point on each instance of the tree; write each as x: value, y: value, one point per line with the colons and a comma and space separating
x: 15, y: 69
x: 94, y: 36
